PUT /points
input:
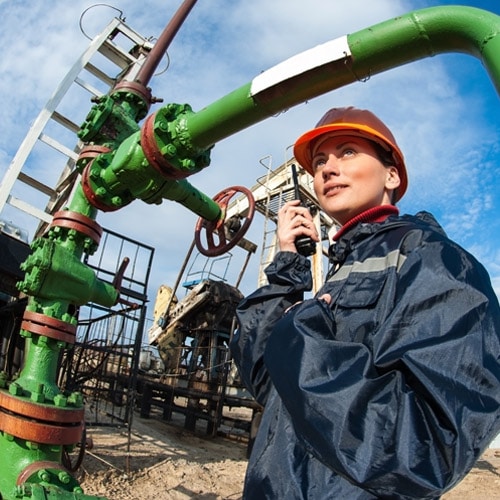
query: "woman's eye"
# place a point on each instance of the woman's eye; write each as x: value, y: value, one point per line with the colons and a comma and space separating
x: 318, y: 163
x: 348, y: 152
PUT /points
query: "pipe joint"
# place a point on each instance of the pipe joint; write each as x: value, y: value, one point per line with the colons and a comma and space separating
x: 112, y: 119
x: 168, y: 146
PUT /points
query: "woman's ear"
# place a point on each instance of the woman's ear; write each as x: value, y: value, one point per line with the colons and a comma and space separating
x: 393, y: 180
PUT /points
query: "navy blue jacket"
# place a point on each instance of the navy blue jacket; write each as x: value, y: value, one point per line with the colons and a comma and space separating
x: 392, y: 390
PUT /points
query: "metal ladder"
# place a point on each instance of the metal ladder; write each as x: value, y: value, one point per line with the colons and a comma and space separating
x: 117, y: 46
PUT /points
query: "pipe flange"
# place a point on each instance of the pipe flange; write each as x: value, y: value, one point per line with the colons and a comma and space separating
x: 38, y: 432
x: 34, y: 467
x: 88, y: 153
x: 38, y: 411
x: 91, y: 196
x: 139, y: 90
x: 153, y: 154
x: 54, y: 328
x: 79, y: 222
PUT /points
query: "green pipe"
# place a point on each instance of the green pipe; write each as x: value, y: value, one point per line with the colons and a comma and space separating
x: 79, y: 203
x: 417, y: 35
x: 40, y: 364
x: 125, y: 175
x: 425, y: 33
x: 186, y: 194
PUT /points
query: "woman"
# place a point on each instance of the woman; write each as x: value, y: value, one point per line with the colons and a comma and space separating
x: 387, y: 384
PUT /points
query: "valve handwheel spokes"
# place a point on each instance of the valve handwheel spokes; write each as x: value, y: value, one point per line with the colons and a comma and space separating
x: 228, y: 232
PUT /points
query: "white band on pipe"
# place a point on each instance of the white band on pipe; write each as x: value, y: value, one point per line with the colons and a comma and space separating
x: 334, y: 50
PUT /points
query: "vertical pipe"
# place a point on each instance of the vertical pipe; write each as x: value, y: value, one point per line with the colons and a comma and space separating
x: 161, y: 46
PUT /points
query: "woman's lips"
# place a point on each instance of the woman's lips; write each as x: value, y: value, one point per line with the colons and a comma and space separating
x: 333, y: 189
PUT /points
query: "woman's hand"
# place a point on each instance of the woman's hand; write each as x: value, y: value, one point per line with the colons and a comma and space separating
x: 294, y: 220
x: 326, y: 298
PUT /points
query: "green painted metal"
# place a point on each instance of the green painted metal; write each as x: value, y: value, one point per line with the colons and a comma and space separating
x: 173, y: 142
x: 124, y: 175
x: 425, y: 33
x: 51, y: 491
x: 56, y: 279
x: 417, y: 35
x: 80, y: 204
x: 54, y: 272
x: 113, y: 118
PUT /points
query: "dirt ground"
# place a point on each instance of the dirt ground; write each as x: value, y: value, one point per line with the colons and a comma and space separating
x: 166, y: 462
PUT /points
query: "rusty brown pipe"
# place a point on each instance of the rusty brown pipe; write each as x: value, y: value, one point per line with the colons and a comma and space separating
x: 157, y: 52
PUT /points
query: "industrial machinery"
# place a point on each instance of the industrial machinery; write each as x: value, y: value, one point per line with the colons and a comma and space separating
x: 193, y: 346
x: 121, y: 161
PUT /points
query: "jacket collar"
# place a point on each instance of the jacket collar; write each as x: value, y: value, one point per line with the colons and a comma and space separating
x: 374, y: 214
x: 362, y: 226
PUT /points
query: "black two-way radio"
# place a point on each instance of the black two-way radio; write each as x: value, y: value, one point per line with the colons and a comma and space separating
x: 304, y: 244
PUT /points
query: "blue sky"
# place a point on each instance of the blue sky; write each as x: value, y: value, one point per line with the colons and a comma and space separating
x: 442, y: 110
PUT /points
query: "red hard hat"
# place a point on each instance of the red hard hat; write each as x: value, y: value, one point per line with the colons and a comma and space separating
x: 352, y: 121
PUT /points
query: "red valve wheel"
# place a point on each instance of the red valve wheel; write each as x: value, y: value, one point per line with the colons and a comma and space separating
x: 229, y: 232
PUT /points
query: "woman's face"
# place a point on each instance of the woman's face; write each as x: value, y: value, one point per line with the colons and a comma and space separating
x: 349, y: 178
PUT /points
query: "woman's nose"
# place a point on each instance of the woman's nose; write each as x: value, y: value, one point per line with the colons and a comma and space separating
x: 331, y: 166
